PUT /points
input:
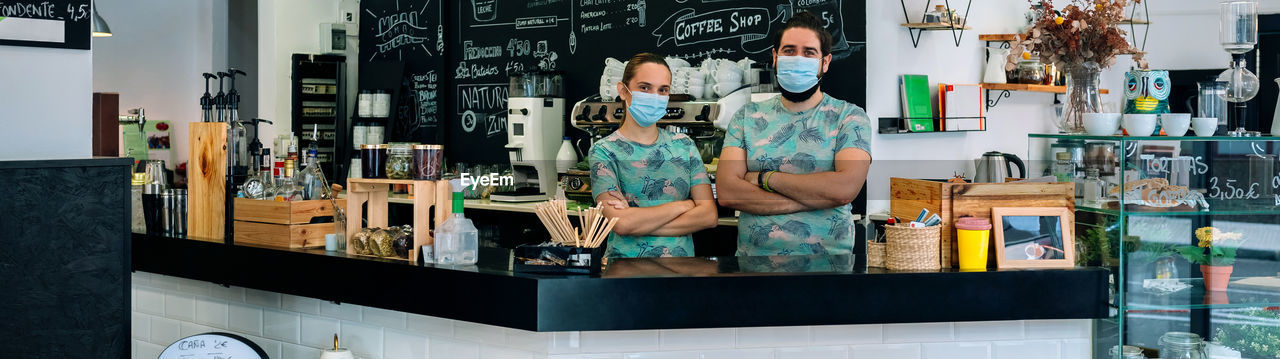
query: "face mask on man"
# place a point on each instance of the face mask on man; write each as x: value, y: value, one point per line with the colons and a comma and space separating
x: 646, y: 108
x: 798, y: 76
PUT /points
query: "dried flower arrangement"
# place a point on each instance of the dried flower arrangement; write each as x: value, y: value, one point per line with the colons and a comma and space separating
x: 1083, y: 32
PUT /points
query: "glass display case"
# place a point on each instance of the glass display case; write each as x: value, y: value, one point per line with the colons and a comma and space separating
x: 1190, y: 227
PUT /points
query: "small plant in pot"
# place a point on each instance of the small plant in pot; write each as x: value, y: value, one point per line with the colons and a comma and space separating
x: 1215, y: 252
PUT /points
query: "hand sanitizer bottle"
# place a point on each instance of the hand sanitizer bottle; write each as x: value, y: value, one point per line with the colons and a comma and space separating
x: 457, y: 240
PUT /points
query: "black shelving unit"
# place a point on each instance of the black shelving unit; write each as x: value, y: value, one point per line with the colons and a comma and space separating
x: 319, y: 93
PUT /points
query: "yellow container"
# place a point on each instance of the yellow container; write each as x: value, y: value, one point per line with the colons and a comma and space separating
x: 972, y: 236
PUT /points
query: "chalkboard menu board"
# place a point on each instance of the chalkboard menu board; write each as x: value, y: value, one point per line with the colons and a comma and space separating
x: 493, y: 39
x: 46, y: 23
x: 406, y: 34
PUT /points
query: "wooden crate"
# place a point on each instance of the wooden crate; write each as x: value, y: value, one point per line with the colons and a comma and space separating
x: 374, y: 191
x: 954, y: 200
x: 282, y: 224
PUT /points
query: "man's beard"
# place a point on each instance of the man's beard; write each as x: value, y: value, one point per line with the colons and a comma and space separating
x: 803, y: 95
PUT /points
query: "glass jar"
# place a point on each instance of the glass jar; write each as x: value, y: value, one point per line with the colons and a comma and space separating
x: 1181, y: 345
x: 1095, y: 188
x: 1127, y: 352
x: 1029, y: 71
x: 427, y: 162
x: 937, y: 15
x: 373, y: 161
x: 399, y: 161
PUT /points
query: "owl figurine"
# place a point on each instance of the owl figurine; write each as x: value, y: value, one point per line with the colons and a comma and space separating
x: 1146, y: 91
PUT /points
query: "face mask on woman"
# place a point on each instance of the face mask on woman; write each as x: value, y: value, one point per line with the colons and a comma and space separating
x: 646, y: 108
x: 798, y: 76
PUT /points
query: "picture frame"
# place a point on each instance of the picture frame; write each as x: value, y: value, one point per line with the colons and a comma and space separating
x: 1034, y: 237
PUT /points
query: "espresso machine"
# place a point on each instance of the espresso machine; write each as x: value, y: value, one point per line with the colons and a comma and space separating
x: 535, y: 127
x: 684, y: 115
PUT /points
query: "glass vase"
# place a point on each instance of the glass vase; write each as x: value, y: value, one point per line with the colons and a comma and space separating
x: 1083, y: 96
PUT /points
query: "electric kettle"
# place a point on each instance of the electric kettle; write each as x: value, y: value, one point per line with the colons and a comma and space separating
x: 993, y: 167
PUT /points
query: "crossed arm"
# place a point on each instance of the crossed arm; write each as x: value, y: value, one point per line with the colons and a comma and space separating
x: 738, y: 188
x: 676, y: 218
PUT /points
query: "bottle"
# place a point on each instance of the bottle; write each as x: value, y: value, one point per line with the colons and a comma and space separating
x: 567, y: 157
x: 457, y: 240
x: 1094, y: 188
x: 292, y: 153
x: 313, y: 148
x: 289, y: 190
x: 1063, y: 169
x: 259, y: 186
x: 311, y: 179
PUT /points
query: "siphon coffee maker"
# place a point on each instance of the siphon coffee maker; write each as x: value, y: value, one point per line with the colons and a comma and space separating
x: 1238, y: 33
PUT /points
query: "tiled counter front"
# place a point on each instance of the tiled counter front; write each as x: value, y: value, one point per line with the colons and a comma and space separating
x: 168, y: 308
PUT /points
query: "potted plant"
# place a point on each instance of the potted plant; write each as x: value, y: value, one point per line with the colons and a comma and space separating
x: 1215, y: 252
x: 1081, y: 40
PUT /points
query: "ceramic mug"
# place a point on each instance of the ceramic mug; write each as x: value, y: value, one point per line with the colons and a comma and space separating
x: 1101, y: 124
x: 1139, y: 124
x: 1175, y: 124
x: 1204, y: 126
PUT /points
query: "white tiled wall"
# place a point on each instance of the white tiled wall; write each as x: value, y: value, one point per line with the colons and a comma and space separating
x: 166, y: 309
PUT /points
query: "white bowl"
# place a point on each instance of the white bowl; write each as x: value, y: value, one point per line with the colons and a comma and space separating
x: 1101, y: 124
x: 1140, y: 124
x: 1204, y: 126
x: 1175, y: 124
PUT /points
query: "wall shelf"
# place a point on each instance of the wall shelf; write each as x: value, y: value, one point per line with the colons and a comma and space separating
x: 1006, y: 89
x: 998, y: 37
x: 1031, y: 88
x: 897, y: 125
x: 917, y: 29
x: 934, y: 26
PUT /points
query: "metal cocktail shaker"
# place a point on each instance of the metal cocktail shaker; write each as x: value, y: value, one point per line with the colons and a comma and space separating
x: 152, y: 189
x: 166, y: 222
x: 178, y: 213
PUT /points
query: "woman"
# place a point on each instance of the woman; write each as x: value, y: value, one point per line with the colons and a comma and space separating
x: 652, y: 180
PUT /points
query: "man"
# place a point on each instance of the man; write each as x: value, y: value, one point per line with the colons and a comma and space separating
x: 793, y: 163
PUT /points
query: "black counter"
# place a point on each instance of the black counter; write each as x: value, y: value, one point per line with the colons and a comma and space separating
x: 663, y: 293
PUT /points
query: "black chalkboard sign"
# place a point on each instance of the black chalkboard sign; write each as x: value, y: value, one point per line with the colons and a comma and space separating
x: 46, y: 23
x: 408, y: 33
x: 494, y: 39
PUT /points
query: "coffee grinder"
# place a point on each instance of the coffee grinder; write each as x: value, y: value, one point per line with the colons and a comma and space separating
x: 535, y: 126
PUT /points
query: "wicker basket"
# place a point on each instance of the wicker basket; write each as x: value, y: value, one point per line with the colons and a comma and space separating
x: 909, y: 248
x: 875, y: 254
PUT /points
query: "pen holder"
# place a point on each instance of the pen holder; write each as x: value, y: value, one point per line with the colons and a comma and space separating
x: 909, y: 248
x: 875, y: 254
x: 576, y: 260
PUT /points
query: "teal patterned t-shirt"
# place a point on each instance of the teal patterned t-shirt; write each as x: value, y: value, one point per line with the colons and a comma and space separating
x: 648, y: 175
x: 778, y: 139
